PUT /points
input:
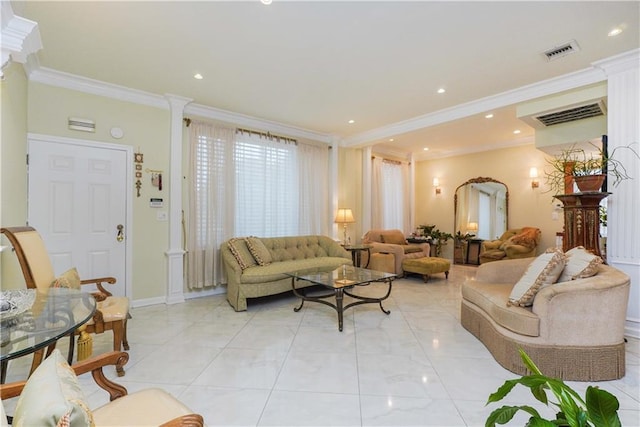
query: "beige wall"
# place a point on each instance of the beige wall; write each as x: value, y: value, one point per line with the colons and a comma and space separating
x: 527, y: 207
x: 13, y: 168
x: 145, y: 128
x: 350, y: 190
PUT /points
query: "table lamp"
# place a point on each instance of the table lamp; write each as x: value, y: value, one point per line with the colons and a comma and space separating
x: 344, y: 216
x: 472, y: 227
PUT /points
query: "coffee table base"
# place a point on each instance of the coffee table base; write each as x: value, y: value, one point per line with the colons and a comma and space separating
x: 339, y: 294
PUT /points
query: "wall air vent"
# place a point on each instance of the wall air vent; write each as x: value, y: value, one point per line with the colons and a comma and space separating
x: 562, y: 50
x: 85, y: 125
x: 572, y: 114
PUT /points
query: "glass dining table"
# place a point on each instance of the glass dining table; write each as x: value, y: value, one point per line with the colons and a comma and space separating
x: 31, y: 321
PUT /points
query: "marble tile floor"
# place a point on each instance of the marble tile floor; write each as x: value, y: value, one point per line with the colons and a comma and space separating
x: 270, y: 366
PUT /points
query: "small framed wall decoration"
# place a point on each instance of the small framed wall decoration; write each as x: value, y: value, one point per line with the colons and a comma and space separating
x: 138, y: 157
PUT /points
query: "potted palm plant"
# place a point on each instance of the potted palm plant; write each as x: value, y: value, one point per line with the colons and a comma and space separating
x: 587, y: 169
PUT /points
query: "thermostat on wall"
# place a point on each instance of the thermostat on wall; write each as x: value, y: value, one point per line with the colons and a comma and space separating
x: 155, y: 203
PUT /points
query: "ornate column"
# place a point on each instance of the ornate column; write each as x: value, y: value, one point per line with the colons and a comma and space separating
x: 175, y: 254
x: 623, y: 208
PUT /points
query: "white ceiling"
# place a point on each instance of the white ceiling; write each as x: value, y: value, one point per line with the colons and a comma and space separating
x: 316, y: 65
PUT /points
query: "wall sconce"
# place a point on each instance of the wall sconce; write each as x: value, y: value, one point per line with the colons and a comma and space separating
x: 533, y: 174
x: 344, y: 216
x: 436, y: 184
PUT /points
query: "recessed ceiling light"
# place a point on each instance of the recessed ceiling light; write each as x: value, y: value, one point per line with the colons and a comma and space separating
x: 351, y: 121
x: 488, y: 116
x: 426, y: 148
x: 265, y: 1
x: 390, y: 139
x: 198, y: 76
x: 614, y: 32
x: 441, y: 90
x: 517, y: 131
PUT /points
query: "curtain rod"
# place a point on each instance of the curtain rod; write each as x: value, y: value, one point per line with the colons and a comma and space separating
x: 392, y: 161
x: 268, y: 135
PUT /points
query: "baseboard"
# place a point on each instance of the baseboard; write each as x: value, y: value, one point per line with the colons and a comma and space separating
x: 218, y: 290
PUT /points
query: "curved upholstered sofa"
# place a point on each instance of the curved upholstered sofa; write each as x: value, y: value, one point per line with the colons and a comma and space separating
x: 574, y: 330
x: 247, y: 278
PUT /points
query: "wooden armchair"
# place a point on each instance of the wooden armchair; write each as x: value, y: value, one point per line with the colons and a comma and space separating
x: 52, y: 396
x: 112, y: 311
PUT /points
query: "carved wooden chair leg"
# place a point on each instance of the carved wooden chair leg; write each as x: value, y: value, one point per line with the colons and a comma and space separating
x: 125, y: 342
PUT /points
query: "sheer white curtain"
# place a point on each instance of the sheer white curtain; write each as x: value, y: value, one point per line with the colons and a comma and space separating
x: 313, y: 187
x: 244, y: 183
x: 211, y: 202
x: 390, y: 198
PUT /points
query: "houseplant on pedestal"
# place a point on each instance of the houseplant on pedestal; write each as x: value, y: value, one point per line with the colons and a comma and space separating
x: 435, y: 237
x: 587, y: 169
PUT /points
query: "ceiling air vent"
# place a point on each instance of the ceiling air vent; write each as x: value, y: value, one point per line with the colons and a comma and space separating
x: 572, y: 114
x: 562, y: 50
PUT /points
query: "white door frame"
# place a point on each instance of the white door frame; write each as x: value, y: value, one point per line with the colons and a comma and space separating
x: 128, y: 150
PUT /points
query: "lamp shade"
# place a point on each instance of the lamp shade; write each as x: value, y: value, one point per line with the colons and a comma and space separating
x: 344, y: 216
x: 472, y: 226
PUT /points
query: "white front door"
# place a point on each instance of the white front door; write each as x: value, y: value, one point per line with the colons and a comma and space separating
x: 78, y: 203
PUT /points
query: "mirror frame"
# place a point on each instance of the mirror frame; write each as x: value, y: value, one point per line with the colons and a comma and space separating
x: 480, y: 180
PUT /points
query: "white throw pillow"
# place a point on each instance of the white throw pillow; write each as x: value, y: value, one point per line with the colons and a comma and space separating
x: 544, y: 270
x: 580, y: 264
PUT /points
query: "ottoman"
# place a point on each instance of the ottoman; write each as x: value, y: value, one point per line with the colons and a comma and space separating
x: 427, y: 266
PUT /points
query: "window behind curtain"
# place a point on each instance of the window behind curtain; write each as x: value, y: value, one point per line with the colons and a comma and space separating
x: 266, y: 187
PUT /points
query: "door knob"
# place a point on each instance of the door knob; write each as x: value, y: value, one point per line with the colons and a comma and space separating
x: 120, y: 236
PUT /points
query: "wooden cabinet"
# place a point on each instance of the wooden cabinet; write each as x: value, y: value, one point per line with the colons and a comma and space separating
x: 582, y: 220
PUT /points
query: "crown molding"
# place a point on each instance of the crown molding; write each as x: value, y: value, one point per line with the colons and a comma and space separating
x: 20, y: 36
x: 256, y: 123
x: 620, y: 63
x: 546, y: 87
x: 61, y: 79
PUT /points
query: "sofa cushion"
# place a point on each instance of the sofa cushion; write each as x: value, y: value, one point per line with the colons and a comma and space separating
x: 52, y: 397
x: 580, y: 264
x: 492, y: 298
x: 394, y: 237
x: 259, y: 251
x: 277, y: 270
x: 544, y: 270
x: 69, y: 279
x: 240, y: 251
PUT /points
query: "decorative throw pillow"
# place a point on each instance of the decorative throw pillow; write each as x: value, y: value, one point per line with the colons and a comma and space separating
x: 52, y: 397
x: 580, y: 264
x: 544, y: 270
x: 69, y: 279
x: 240, y: 251
x: 259, y: 251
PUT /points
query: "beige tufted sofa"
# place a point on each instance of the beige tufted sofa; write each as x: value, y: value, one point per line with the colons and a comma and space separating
x: 573, y: 331
x: 304, y: 254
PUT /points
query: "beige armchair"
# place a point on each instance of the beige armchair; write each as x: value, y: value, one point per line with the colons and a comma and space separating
x: 53, y: 396
x: 514, y: 243
x: 393, y: 242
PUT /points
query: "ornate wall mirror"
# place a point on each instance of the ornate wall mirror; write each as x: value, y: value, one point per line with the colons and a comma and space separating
x: 481, y: 207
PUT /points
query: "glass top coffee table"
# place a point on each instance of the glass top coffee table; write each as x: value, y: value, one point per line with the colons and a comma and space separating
x: 341, y: 282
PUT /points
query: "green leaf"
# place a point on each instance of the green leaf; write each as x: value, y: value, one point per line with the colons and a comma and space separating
x: 502, y: 391
x: 504, y: 414
x: 540, y: 422
x: 528, y: 362
x: 602, y: 407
